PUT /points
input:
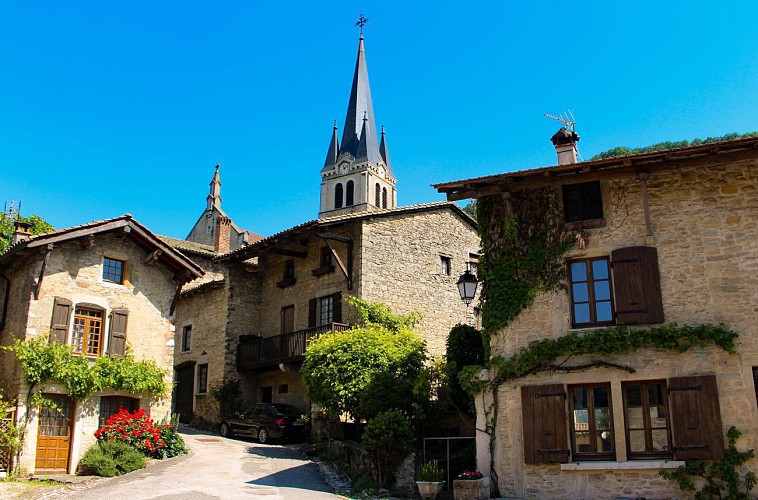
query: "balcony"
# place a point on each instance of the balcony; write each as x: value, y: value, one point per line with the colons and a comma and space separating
x: 262, y: 353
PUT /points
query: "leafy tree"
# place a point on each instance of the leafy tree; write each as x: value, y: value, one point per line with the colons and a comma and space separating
x: 37, y: 224
x: 464, y: 348
x: 470, y: 208
x: 368, y: 369
x: 663, y: 146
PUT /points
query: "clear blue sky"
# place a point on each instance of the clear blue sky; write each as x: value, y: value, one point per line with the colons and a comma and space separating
x: 115, y: 107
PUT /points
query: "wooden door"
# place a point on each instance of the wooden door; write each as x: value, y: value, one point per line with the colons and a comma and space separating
x: 54, y: 434
x: 185, y: 392
x: 288, y: 320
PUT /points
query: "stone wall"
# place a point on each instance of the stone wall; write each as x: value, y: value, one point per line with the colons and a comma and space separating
x: 75, y: 273
x: 704, y: 225
x: 401, y: 266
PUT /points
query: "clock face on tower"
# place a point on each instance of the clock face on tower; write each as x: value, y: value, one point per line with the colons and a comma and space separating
x: 344, y: 168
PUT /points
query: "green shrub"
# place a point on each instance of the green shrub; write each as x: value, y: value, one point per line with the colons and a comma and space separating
x: 431, y: 471
x: 389, y: 436
x: 110, y: 458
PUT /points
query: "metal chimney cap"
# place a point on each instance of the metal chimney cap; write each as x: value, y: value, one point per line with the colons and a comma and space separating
x: 564, y: 136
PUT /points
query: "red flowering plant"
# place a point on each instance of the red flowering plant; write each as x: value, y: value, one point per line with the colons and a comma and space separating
x: 470, y: 474
x: 140, y: 432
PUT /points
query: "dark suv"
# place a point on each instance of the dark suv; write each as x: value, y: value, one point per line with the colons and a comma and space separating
x: 265, y: 421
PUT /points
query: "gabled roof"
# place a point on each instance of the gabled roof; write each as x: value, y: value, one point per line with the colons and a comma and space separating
x: 714, y: 153
x: 189, y: 246
x: 182, y: 266
x: 307, y: 227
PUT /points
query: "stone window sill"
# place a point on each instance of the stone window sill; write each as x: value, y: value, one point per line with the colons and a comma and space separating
x: 320, y: 271
x: 585, y: 224
x: 628, y: 465
x: 285, y: 282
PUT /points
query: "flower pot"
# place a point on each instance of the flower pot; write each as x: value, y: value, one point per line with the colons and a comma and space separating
x: 430, y: 489
x: 471, y: 489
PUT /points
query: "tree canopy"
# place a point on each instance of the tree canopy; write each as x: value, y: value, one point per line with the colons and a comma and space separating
x: 37, y: 224
x: 368, y: 369
x: 662, y: 146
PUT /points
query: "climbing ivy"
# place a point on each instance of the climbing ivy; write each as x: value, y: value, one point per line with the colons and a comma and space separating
x: 615, y: 340
x: 523, y: 242
x: 42, y: 361
x: 719, y: 476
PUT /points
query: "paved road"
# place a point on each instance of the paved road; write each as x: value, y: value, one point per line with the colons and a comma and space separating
x: 219, y: 468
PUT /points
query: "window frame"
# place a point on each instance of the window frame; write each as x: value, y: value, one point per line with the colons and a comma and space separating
x: 202, y: 379
x: 588, y: 208
x: 186, y: 338
x: 338, y: 196
x: 593, y: 454
x: 378, y: 196
x: 349, y: 193
x: 115, y: 270
x: 86, y: 327
x: 384, y: 197
x: 329, y: 300
x: 115, y: 403
x: 446, y: 265
x: 591, y: 300
x: 289, y: 269
x: 647, y: 427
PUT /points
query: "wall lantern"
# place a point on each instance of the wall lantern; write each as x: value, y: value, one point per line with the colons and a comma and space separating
x: 467, y: 284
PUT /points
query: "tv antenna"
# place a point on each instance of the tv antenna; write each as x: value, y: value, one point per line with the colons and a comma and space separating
x: 567, y: 119
x: 11, y: 213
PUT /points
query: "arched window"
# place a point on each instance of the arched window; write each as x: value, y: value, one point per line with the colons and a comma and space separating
x: 378, y: 196
x: 338, y: 196
x: 349, y: 194
x: 384, y: 197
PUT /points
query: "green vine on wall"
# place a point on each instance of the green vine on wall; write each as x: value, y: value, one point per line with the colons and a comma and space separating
x: 610, y: 341
x: 42, y: 362
x: 523, y: 241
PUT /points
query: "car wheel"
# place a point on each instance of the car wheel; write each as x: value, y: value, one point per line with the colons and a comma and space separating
x: 262, y: 436
x: 225, y: 430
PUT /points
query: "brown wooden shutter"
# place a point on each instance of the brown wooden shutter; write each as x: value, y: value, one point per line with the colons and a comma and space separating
x: 312, y: 307
x: 696, y: 418
x: 637, y: 285
x: 544, y: 422
x: 59, y: 323
x: 337, y: 307
x: 117, y: 340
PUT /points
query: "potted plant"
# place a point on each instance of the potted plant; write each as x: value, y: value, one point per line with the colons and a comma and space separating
x: 471, y: 485
x: 431, y: 480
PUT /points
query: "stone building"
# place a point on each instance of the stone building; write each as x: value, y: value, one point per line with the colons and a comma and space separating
x: 253, y: 321
x: 662, y: 238
x: 107, y: 288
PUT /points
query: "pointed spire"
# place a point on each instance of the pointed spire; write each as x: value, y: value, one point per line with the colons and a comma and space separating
x: 333, y: 152
x: 214, y: 198
x: 386, y: 155
x: 362, y: 153
x: 360, y: 106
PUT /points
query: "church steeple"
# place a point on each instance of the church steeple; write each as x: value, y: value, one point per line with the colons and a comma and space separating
x: 357, y: 175
x: 214, y: 198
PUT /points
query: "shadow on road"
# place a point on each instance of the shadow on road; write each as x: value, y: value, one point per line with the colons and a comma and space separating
x: 302, y: 477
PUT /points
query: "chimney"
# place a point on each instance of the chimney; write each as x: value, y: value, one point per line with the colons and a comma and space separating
x: 565, y: 145
x: 223, y: 234
x: 21, y: 231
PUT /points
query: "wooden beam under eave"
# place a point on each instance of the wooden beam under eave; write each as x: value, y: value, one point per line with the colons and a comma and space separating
x: 301, y: 254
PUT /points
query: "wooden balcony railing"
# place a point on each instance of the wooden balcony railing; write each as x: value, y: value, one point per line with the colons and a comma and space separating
x: 263, y: 352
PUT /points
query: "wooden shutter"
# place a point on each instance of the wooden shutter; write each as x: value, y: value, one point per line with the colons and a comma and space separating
x: 544, y: 423
x: 312, y: 309
x: 117, y: 340
x: 696, y: 418
x: 637, y: 285
x: 61, y: 317
x: 337, y: 307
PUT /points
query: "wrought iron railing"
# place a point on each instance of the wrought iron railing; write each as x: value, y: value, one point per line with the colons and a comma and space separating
x: 256, y: 352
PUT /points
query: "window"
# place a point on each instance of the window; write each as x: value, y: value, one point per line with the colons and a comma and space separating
x: 590, y: 292
x: 582, y: 201
x: 378, y: 195
x: 591, y: 422
x: 326, y: 257
x: 186, y: 338
x: 338, y: 196
x: 473, y: 264
x: 289, y: 269
x: 86, y: 337
x: 113, y: 270
x: 283, y: 388
x: 202, y: 379
x: 646, y: 418
x: 349, y: 193
x: 110, y: 405
x: 326, y: 310
x: 384, y: 197
x: 445, y: 262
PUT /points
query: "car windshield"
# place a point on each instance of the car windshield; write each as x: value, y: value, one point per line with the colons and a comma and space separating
x: 289, y: 410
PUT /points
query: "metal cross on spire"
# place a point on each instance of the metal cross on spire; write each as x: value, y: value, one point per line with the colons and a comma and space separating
x: 361, y: 22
